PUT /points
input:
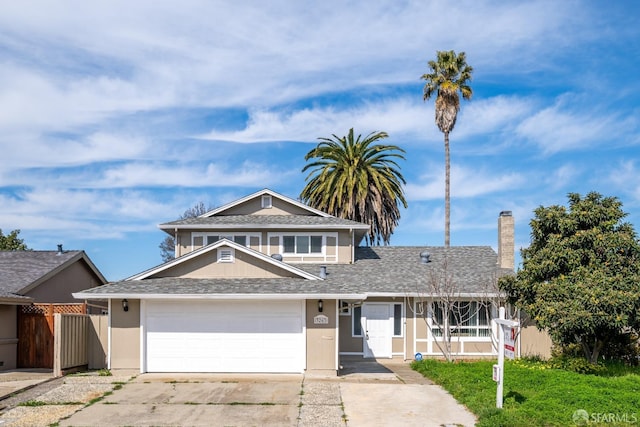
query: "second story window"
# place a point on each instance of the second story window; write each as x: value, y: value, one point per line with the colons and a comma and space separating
x: 302, y: 244
x: 266, y: 202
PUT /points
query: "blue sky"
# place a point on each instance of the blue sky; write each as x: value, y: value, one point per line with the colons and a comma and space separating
x: 116, y: 116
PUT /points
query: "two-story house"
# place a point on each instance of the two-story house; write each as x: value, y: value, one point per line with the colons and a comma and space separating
x: 268, y: 284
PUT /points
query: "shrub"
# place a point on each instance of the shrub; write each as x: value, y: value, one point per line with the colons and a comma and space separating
x: 579, y: 365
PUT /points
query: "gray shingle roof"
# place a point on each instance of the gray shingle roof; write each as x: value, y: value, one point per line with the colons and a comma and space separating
x: 19, y: 269
x: 378, y: 270
x: 262, y: 221
x: 389, y: 269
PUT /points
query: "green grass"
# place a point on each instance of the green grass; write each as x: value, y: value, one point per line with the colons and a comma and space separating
x: 536, y: 395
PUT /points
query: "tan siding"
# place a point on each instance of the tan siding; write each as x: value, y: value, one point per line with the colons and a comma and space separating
x: 8, y: 336
x: 125, y: 335
x: 344, y: 247
x: 184, y: 242
x: 321, y: 339
x: 534, y: 342
x: 76, y: 277
x: 478, y: 347
x: 207, y: 266
x: 254, y: 207
x: 254, y: 243
x: 397, y: 345
x: 274, y: 245
x: 331, y: 246
x: 347, y: 342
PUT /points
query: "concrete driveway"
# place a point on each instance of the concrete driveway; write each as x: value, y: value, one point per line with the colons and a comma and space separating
x: 367, y: 394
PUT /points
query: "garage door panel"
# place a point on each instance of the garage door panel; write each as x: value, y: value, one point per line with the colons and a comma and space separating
x: 224, y: 336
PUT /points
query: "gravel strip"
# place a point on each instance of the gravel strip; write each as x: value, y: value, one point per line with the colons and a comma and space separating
x: 63, y: 397
x: 74, y: 393
x: 32, y: 393
x: 36, y: 416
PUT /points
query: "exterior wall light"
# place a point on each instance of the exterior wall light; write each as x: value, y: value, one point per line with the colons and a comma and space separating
x: 320, y: 306
x: 125, y: 305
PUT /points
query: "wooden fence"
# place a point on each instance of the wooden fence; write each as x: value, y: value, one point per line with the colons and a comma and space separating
x: 61, y: 337
x: 36, y: 333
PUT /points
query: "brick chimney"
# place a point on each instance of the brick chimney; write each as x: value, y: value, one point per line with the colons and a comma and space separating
x: 506, y: 244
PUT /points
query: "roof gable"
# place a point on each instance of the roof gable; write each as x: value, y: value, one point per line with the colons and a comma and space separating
x: 200, y: 258
x: 252, y: 205
x: 22, y: 271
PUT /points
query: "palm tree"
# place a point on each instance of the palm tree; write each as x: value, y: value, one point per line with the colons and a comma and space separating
x: 448, y: 75
x: 357, y: 179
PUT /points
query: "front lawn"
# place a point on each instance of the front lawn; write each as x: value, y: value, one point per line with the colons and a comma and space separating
x: 535, y: 395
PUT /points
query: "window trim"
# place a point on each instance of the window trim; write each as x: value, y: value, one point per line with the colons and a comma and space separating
x: 353, y: 322
x: 266, y: 201
x: 436, y: 329
x: 206, y: 235
x: 344, y: 309
x: 401, y: 319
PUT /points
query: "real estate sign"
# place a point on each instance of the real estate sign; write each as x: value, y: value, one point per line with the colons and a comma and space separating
x: 509, y: 342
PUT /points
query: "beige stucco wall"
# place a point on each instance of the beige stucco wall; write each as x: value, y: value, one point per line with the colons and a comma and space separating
x: 8, y: 336
x: 348, y: 343
x: 207, y: 266
x: 76, y: 277
x: 534, y: 342
x: 321, y: 339
x: 125, y: 335
x: 254, y: 207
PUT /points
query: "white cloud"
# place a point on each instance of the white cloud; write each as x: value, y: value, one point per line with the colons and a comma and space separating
x: 398, y: 117
x: 465, y: 183
x: 573, y: 123
x: 247, y: 174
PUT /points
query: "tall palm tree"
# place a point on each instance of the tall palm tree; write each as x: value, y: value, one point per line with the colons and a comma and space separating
x: 357, y: 179
x: 448, y: 75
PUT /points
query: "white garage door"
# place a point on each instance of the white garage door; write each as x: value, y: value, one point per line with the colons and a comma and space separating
x: 224, y: 336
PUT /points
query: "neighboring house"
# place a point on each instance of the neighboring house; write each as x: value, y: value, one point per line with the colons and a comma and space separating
x: 268, y: 284
x: 28, y: 277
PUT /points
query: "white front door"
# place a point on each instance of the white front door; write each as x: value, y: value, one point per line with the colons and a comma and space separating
x: 377, y: 322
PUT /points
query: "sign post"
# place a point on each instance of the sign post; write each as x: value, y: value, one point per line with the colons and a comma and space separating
x: 506, y: 347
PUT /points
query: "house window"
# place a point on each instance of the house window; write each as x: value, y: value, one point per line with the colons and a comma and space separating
x: 356, y: 322
x: 198, y: 239
x: 239, y: 239
x: 266, y: 202
x: 397, y: 320
x: 225, y: 255
x: 343, y: 308
x: 465, y: 319
x: 302, y: 244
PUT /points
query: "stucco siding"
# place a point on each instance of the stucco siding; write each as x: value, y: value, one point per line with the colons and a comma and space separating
x: 207, y: 266
x: 254, y: 207
x: 76, y: 277
x: 534, y: 342
x: 8, y: 336
x: 125, y: 335
x: 344, y: 247
x: 321, y: 338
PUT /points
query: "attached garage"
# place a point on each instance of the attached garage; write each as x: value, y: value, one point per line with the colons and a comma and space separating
x: 223, y: 336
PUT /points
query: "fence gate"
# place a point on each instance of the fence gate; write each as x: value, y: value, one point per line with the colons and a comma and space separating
x: 35, y: 333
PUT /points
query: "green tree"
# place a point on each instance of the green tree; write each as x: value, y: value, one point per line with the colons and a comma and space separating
x: 11, y: 242
x: 449, y: 75
x: 167, y: 246
x: 357, y: 179
x: 580, y: 277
